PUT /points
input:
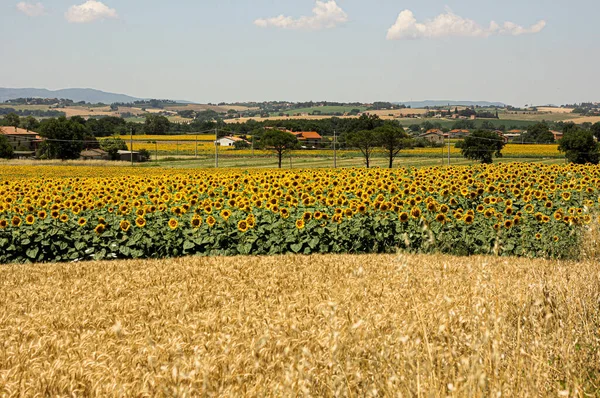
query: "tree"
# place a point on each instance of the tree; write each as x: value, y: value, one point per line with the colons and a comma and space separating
x: 579, y: 147
x: 30, y: 123
x: 241, y: 145
x: 6, y: 150
x: 539, y: 133
x: 366, y: 141
x: 64, y: 138
x: 487, y: 125
x: 596, y: 130
x: 482, y: 146
x: 113, y: 145
x: 156, y: 124
x: 279, y: 142
x: 12, y: 119
x: 392, y: 139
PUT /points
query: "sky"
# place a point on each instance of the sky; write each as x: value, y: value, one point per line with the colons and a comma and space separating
x: 518, y: 52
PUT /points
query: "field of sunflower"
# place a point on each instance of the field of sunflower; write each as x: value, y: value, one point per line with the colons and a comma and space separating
x: 92, y: 213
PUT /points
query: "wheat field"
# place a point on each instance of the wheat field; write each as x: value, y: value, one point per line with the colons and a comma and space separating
x: 378, y: 325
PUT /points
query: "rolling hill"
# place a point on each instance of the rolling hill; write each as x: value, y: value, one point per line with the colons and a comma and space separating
x: 76, y: 94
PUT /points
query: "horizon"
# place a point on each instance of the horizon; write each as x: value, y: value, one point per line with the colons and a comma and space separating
x: 344, y: 50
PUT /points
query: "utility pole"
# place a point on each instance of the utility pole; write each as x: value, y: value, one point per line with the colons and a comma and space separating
x: 216, y: 147
x: 334, y: 149
x: 448, y: 149
x: 131, y: 144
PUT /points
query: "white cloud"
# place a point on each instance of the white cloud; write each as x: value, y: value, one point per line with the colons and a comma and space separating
x: 89, y: 11
x: 326, y: 14
x: 31, y: 9
x: 450, y: 24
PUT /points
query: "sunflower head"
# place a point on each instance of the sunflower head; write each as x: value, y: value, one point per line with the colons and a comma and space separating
x: 100, y: 228
x: 173, y: 223
x: 30, y: 219
x: 124, y: 225
x: 81, y: 222
x: 300, y: 223
x: 211, y: 221
x: 140, y: 222
x: 242, y: 226
x: 196, y: 222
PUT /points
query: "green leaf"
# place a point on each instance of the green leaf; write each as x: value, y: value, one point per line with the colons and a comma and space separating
x: 296, y: 247
x: 33, y: 252
x: 187, y: 245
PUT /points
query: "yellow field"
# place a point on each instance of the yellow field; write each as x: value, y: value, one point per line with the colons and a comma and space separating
x: 551, y: 109
x: 510, y: 150
x: 380, y: 325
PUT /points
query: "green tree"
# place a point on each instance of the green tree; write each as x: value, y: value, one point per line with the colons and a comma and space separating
x: 113, y: 145
x: 539, y: 133
x: 579, y: 147
x: 393, y: 139
x: 596, y: 130
x: 482, y: 146
x: 64, y: 138
x: 279, y: 142
x: 156, y: 125
x: 12, y: 119
x: 366, y: 141
x: 6, y: 150
x: 30, y: 123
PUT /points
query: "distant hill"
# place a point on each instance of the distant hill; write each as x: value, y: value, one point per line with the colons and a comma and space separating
x: 75, y: 94
x: 430, y: 103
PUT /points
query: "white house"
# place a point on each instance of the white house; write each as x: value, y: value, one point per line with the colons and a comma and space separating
x: 230, y: 141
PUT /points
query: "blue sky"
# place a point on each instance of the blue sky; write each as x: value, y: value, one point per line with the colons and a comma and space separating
x: 237, y: 50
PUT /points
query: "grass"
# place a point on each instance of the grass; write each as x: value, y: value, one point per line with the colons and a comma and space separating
x: 387, y: 325
x: 321, y: 162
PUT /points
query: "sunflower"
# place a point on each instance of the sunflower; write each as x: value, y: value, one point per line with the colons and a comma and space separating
x: 242, y: 226
x: 140, y: 222
x: 538, y: 236
x: 555, y: 238
x: 100, y: 228
x: 441, y: 218
x: 81, y: 222
x: 468, y: 219
x: 318, y: 215
x: 566, y: 196
x: 403, y: 217
x: 173, y: 223
x: 54, y: 214
x: 42, y: 215
x: 300, y: 223
x: 64, y: 218
x: 508, y: 224
x: 3, y: 224
x: 125, y: 225
x: 196, y: 222
x: 211, y: 221
x: 415, y: 212
x: 225, y: 214
x: 30, y: 219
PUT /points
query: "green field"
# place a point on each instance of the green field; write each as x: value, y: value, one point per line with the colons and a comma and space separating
x: 322, y: 162
x: 322, y: 109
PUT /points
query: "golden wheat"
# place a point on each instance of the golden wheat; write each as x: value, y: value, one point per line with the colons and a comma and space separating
x: 379, y: 325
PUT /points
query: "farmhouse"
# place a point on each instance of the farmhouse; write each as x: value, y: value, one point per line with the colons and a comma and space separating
x: 94, y: 154
x: 230, y: 141
x: 557, y: 135
x: 308, y: 138
x: 458, y: 133
x: 20, y: 139
x: 127, y: 155
x: 434, y: 135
